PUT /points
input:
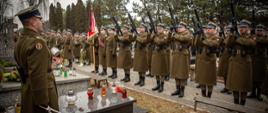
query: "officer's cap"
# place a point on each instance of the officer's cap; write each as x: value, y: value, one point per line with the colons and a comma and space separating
x: 211, y: 25
x: 181, y: 24
x: 143, y: 25
x: 126, y: 27
x: 260, y: 26
x: 161, y: 25
x: 244, y: 22
x: 29, y: 12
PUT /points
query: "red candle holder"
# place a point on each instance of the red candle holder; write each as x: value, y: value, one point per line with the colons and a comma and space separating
x: 90, y: 93
x: 124, y: 93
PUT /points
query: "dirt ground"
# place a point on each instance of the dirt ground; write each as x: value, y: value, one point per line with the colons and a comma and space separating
x: 158, y: 105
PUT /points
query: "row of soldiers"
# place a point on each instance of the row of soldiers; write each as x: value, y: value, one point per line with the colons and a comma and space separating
x: 242, y: 64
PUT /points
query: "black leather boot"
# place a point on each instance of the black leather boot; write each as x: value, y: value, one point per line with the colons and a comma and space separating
x: 142, y: 81
x: 259, y: 98
x: 203, y: 91
x: 177, y: 92
x: 182, y: 91
x: 138, y: 83
x: 157, y: 85
x: 127, y: 78
x: 104, y: 72
x: 114, y: 74
x: 209, y: 94
x: 253, y: 93
x: 236, y: 100
x: 124, y: 79
x: 161, y: 88
x: 243, y: 102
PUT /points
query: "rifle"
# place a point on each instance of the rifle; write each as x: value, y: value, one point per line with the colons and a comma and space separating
x: 133, y: 26
x: 253, y: 18
x: 143, y: 21
x: 234, y: 28
x: 199, y: 26
x: 117, y: 26
x: 152, y: 24
x: 173, y: 20
x: 221, y: 33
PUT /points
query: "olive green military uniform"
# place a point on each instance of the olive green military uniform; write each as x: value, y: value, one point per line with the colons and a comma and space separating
x: 76, y: 48
x: 140, y: 63
x: 102, y: 53
x: 206, y: 70
x: 259, y: 66
x: 159, y: 56
x: 38, y: 86
x: 68, y: 50
x: 111, y: 47
x: 159, y: 63
x: 239, y: 79
x: 124, y: 60
x: 180, y: 56
x: 140, y: 56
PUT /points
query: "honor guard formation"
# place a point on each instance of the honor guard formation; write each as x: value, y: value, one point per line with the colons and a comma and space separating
x: 236, y: 52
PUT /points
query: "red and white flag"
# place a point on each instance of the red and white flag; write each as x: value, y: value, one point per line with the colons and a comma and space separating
x: 93, y: 26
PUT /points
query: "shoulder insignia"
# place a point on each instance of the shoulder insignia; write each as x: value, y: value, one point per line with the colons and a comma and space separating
x: 38, y: 46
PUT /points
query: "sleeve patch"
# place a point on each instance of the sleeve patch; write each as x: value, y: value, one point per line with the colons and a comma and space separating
x: 38, y: 46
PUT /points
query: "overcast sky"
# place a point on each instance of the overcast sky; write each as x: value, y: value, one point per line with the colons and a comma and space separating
x: 65, y: 3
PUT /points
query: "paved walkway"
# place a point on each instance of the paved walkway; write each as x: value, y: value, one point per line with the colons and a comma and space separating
x: 190, y: 91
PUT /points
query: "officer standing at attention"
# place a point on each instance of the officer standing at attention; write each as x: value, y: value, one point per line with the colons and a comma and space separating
x: 140, y: 57
x: 206, y: 71
x: 111, y: 46
x: 180, y: 55
x: 159, y: 58
x: 124, y: 60
x: 102, y: 50
x: 239, y: 79
x: 34, y: 64
x: 259, y: 62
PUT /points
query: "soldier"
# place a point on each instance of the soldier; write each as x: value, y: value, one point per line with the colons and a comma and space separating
x: 111, y: 46
x: 224, y: 59
x: 159, y: 58
x: 206, y: 70
x: 124, y: 60
x: 258, y: 62
x: 53, y: 40
x: 102, y: 50
x: 68, y: 49
x: 140, y: 57
x: 239, y: 78
x: 76, y: 47
x: 33, y: 57
x: 196, y: 44
x: 180, y: 56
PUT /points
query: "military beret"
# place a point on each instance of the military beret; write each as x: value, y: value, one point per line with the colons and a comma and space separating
x: 211, y: 25
x: 29, y: 12
x: 244, y: 22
